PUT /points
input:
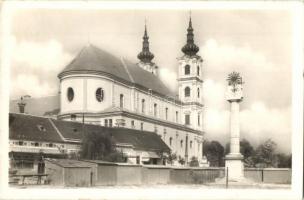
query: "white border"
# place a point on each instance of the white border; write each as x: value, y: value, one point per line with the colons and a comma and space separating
x: 8, y: 10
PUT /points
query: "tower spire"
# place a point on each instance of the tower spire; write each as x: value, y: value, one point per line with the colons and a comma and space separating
x: 145, y: 55
x: 190, y: 48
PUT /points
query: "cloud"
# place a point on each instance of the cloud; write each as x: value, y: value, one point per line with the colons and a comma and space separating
x: 168, y: 77
x: 34, y: 67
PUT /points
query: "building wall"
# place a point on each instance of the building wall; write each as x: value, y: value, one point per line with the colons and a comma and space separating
x: 55, y: 173
x: 79, y: 177
x: 85, y: 101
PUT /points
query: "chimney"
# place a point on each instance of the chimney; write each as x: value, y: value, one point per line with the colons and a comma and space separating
x: 21, y: 107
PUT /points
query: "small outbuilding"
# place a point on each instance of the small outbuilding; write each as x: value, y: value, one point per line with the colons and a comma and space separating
x: 70, y: 173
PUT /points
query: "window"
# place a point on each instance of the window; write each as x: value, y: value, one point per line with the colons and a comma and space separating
x: 141, y: 126
x: 143, y: 106
x: 187, y: 69
x: 176, y: 116
x: 166, y: 113
x: 187, y: 119
x: 70, y: 94
x: 198, y: 120
x: 41, y: 128
x: 198, y: 93
x: 198, y: 70
x: 51, y: 145
x: 110, y: 123
x: 132, y: 124
x: 187, y: 92
x: 155, y: 110
x: 165, y: 131
x: 99, y: 94
x: 37, y: 144
x: 20, y: 143
x: 105, y: 122
x: 121, y: 100
x: 73, y: 117
x: 155, y: 129
x: 190, y: 144
x: 170, y: 141
x: 181, y: 143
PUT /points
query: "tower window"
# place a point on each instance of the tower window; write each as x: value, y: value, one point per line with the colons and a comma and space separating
x: 198, y: 93
x: 198, y: 70
x: 99, y: 94
x: 155, y: 110
x: 187, y: 119
x: 187, y: 69
x: 143, y: 106
x: 70, y: 94
x: 121, y: 100
x: 166, y: 113
x: 170, y: 141
x: 198, y: 119
x: 187, y: 92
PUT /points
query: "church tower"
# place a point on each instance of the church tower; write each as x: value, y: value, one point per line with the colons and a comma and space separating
x: 190, y: 82
x: 145, y: 56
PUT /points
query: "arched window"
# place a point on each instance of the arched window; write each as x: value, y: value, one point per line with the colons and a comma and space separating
x: 70, y: 94
x: 99, y: 94
x: 121, y: 100
x: 176, y: 116
x: 198, y: 93
x: 190, y: 144
x: 166, y: 113
x: 143, y: 106
x: 187, y: 92
x: 187, y: 69
x: 170, y: 141
x: 181, y: 143
x: 198, y: 70
x: 155, y: 110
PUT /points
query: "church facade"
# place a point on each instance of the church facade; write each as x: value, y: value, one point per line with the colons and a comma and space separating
x: 99, y: 88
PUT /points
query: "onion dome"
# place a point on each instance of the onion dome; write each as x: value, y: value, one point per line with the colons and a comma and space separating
x: 190, y: 48
x: 145, y: 55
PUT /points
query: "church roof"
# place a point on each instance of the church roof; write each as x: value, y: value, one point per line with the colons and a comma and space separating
x: 91, y: 59
x: 33, y: 128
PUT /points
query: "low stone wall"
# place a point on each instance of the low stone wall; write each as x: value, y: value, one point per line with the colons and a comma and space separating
x: 124, y: 174
x: 269, y: 175
x: 152, y: 175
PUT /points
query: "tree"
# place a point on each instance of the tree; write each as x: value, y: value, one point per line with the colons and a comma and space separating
x: 214, y: 152
x: 171, y: 158
x: 193, y: 162
x: 100, y: 146
x: 265, y: 154
x: 284, y: 161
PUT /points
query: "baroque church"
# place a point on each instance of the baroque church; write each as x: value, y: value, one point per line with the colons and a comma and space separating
x: 98, y: 88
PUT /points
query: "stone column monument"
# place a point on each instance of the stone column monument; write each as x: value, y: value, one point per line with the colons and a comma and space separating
x: 234, y: 160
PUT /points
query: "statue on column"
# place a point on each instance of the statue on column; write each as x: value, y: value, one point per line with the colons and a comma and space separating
x: 234, y: 160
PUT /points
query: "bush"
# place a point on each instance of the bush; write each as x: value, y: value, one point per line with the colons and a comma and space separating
x: 194, y: 162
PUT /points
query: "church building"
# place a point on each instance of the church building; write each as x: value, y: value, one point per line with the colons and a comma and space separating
x: 99, y: 88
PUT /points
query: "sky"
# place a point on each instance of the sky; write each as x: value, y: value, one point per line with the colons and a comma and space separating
x: 255, y: 43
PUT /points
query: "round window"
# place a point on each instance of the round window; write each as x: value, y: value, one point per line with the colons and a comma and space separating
x: 99, y: 94
x: 70, y: 94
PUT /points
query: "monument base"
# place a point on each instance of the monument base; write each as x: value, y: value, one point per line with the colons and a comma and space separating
x: 234, y: 167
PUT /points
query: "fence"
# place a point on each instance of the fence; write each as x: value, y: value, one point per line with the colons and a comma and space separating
x: 122, y: 174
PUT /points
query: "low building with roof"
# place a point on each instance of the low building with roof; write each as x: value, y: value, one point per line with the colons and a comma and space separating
x: 32, y: 136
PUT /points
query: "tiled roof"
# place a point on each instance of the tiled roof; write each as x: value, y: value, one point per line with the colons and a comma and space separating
x: 26, y: 127
x: 93, y: 59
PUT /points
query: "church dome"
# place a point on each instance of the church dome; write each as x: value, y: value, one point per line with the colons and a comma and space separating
x: 190, y: 48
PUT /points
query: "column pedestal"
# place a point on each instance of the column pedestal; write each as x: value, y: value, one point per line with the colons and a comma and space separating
x: 234, y: 167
